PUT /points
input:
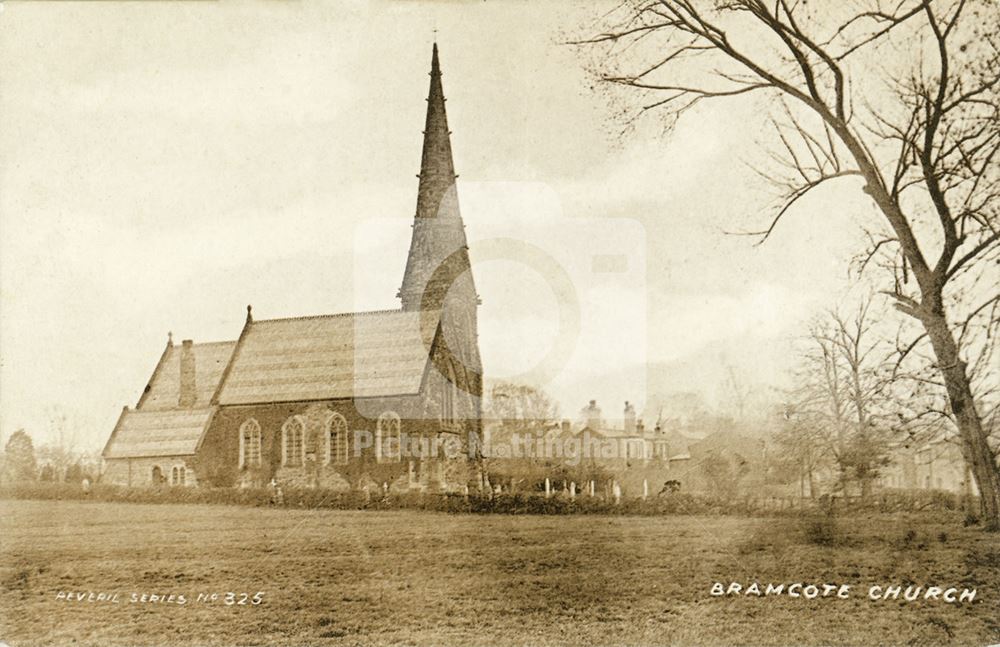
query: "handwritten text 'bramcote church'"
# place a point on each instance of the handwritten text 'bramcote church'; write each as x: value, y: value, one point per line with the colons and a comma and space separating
x: 876, y: 592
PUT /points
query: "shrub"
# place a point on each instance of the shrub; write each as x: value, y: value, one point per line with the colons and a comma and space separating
x: 821, y: 530
x: 819, y: 514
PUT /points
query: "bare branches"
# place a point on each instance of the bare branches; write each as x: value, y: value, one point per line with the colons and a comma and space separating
x: 888, y: 22
x: 924, y: 138
x: 988, y: 243
x: 842, y: 396
x: 938, y: 154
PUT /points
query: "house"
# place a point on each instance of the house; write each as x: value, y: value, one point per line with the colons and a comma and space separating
x: 388, y: 398
x: 936, y: 463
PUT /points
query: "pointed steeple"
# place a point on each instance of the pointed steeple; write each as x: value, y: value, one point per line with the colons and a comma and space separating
x: 438, y: 258
x: 436, y: 197
x: 438, y: 272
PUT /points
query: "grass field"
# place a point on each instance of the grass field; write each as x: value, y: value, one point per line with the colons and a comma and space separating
x: 381, y: 578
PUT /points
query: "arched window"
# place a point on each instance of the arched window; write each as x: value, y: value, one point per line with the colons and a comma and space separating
x: 250, y: 444
x: 157, y: 475
x: 448, y: 397
x: 336, y: 439
x: 387, y: 437
x: 178, y: 475
x: 293, y: 442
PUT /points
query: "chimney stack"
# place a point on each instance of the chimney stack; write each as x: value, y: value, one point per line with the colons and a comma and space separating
x: 629, y: 418
x: 592, y: 416
x: 188, y: 394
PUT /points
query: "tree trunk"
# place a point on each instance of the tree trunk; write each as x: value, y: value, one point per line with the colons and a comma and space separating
x: 975, y: 447
x: 930, y: 312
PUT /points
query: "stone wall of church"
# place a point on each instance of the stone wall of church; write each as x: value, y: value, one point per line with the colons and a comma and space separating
x: 218, y: 460
x: 138, y: 472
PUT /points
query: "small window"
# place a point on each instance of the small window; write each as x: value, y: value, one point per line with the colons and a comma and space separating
x: 178, y: 475
x: 387, y: 437
x: 293, y: 442
x: 336, y: 437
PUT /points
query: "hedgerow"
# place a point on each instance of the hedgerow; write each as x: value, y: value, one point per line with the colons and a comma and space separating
x: 505, y: 503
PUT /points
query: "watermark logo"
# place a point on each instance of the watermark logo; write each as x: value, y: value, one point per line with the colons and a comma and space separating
x: 569, y: 449
x: 552, y: 300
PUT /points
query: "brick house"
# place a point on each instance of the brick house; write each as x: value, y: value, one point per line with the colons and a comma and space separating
x: 345, y: 400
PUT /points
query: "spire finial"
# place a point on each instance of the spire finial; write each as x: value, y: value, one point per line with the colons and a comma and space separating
x: 249, y: 313
x: 170, y: 338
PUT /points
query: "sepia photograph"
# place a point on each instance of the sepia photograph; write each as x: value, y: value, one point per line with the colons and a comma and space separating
x: 499, y: 323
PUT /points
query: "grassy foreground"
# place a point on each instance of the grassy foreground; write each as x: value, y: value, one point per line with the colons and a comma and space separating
x: 380, y: 578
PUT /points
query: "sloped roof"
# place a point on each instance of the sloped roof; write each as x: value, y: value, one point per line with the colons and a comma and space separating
x: 210, y: 360
x: 158, y: 433
x: 729, y: 442
x: 618, y: 432
x: 357, y: 355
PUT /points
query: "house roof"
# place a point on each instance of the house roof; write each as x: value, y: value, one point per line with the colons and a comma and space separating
x: 729, y: 442
x: 158, y: 433
x: 163, y: 390
x: 615, y: 432
x: 351, y: 355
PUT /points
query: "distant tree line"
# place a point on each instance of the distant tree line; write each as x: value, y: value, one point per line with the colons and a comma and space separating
x: 22, y: 462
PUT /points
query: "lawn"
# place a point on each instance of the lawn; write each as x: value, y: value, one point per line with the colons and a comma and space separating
x: 381, y: 578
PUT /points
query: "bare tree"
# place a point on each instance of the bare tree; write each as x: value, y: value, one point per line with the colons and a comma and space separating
x: 519, y: 408
x: 842, y: 399
x: 61, y: 450
x: 802, y: 449
x: 739, y: 396
x: 513, y: 414
x: 901, y: 94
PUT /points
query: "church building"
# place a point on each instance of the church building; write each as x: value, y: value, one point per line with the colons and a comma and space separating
x: 339, y: 401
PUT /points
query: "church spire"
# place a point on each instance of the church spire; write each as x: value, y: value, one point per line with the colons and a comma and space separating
x: 438, y: 274
x: 438, y: 254
x: 436, y: 196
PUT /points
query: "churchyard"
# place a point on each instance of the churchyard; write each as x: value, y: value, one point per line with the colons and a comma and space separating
x: 93, y: 573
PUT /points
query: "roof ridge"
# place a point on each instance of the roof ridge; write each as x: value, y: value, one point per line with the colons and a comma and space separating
x: 342, y: 314
x: 175, y: 409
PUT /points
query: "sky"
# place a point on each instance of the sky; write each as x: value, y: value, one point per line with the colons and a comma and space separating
x: 162, y: 165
